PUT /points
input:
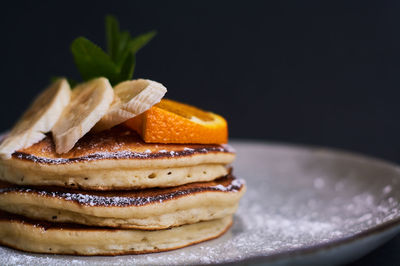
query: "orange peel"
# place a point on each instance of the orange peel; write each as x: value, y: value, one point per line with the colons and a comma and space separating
x: 174, y: 122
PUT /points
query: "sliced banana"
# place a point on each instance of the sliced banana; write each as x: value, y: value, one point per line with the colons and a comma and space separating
x: 90, y: 101
x: 131, y: 98
x: 38, y: 119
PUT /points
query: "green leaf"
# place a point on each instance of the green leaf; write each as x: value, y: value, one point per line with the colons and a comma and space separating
x: 92, y: 61
x: 72, y: 83
x: 128, y: 45
x: 119, y: 64
x: 128, y: 67
x: 139, y: 41
x: 122, y: 48
x: 112, y: 35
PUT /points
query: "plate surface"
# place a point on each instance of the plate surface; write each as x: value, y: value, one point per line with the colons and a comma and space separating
x: 303, y: 205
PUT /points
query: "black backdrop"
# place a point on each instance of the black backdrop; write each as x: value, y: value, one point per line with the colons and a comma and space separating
x: 310, y: 73
x: 322, y: 73
x: 316, y: 73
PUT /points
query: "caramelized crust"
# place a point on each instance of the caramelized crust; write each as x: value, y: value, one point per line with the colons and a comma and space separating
x: 116, y: 143
x: 147, y: 209
x: 124, y: 198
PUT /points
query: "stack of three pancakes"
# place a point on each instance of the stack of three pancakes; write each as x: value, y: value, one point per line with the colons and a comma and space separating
x: 114, y: 194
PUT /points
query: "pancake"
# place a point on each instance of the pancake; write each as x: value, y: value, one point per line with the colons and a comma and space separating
x: 148, y: 209
x: 41, y: 237
x: 116, y: 159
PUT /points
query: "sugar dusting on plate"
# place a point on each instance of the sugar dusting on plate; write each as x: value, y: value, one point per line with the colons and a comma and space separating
x: 296, y: 199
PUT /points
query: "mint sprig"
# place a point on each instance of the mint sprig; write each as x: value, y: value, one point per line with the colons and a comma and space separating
x: 118, y: 64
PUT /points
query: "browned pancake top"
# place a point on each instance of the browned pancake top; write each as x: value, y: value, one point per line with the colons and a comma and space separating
x: 116, y: 143
x: 128, y: 198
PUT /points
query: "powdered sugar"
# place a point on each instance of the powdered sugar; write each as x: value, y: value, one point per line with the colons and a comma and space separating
x: 387, y: 189
x: 111, y: 154
x: 285, y: 209
x: 91, y: 199
x: 235, y: 185
x: 228, y: 148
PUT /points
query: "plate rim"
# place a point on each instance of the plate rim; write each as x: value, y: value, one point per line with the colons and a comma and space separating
x: 303, y: 251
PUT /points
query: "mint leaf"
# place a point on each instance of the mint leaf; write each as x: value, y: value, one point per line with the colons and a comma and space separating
x: 122, y: 49
x: 128, y: 67
x: 72, y: 83
x: 117, y: 41
x: 132, y: 46
x: 92, y: 61
x: 112, y: 35
x: 118, y: 64
x: 139, y: 41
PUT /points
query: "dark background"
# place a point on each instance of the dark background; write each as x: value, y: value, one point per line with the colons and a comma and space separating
x: 313, y: 73
x: 321, y: 72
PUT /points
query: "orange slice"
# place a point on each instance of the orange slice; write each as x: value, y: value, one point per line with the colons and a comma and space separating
x: 173, y: 122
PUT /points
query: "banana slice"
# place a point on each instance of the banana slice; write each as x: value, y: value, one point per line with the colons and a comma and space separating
x: 132, y: 98
x: 38, y: 119
x: 90, y: 101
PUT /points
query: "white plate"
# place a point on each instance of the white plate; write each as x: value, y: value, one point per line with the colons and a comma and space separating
x: 303, y: 205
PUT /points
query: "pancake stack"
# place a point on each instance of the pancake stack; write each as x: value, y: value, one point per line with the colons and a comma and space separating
x: 115, y: 194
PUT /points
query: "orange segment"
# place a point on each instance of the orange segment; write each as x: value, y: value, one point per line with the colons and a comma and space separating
x: 173, y: 122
